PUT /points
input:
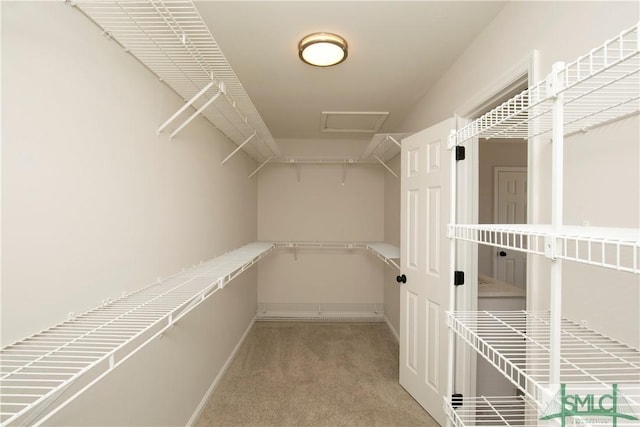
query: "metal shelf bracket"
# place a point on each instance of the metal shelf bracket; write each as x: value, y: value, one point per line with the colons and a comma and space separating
x: 260, y: 167
x: 386, y: 167
x: 239, y: 147
x: 221, y: 90
x: 185, y: 106
x: 344, y: 174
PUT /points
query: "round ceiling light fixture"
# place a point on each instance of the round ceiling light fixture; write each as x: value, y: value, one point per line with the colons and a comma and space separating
x: 322, y: 49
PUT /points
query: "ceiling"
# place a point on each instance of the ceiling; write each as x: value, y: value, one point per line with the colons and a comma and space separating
x: 397, y: 50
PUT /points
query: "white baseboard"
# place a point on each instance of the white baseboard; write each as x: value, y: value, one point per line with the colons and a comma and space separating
x: 393, y: 330
x: 218, y: 377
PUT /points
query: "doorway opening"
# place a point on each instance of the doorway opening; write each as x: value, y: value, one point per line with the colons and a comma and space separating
x: 502, y: 199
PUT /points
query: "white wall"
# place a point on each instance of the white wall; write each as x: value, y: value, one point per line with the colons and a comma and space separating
x: 559, y: 31
x: 320, y: 208
x: 603, y: 189
x: 95, y: 203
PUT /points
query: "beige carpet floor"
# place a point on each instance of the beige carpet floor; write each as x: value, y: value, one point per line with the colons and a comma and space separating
x: 314, y: 374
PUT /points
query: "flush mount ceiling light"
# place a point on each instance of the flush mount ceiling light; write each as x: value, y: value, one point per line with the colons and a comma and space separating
x: 322, y: 49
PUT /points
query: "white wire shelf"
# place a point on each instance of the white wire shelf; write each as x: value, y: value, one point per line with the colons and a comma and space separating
x: 171, y: 39
x: 493, y: 411
x: 38, y: 369
x: 599, y: 87
x: 518, y: 411
x: 384, y: 251
x: 517, y: 343
x: 614, y: 248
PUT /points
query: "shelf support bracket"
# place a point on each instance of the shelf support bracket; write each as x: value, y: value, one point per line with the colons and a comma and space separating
x: 185, y: 106
x: 239, y: 148
x: 395, y: 141
x: 198, y: 111
x: 386, y: 167
x: 260, y: 167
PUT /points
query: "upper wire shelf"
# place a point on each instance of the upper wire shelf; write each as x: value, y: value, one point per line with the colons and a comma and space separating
x: 37, y: 370
x: 613, y: 248
x: 599, y: 87
x: 517, y: 343
x: 171, y: 39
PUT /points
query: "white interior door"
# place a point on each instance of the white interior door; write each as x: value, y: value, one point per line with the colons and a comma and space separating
x: 510, y: 195
x: 424, y: 298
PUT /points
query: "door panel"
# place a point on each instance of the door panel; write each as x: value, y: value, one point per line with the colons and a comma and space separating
x: 433, y: 231
x: 413, y: 197
x: 424, y: 260
x: 432, y: 342
x: 412, y: 332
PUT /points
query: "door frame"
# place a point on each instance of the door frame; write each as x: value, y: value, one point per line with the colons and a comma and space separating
x: 468, y: 202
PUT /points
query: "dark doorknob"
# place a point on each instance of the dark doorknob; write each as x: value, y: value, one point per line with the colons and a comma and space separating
x: 401, y: 279
x: 502, y: 253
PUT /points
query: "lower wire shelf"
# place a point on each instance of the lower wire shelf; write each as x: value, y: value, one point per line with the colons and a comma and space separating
x: 517, y: 343
x: 37, y: 371
x: 493, y: 411
x: 519, y: 411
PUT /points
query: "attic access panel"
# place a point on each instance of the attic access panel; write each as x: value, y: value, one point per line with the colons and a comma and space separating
x: 352, y: 121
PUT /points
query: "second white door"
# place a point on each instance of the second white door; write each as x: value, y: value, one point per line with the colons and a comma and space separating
x: 510, y: 195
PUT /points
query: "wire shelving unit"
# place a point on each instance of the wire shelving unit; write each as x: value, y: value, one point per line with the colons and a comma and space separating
x: 170, y: 38
x: 38, y: 370
x: 539, y: 351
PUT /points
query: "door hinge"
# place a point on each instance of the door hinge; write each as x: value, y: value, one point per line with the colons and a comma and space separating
x: 460, y: 152
x: 458, y: 278
x: 456, y: 400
